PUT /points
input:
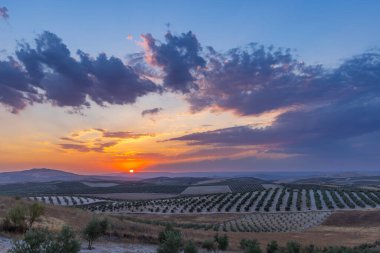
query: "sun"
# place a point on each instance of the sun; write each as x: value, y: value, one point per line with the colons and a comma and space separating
x: 131, y: 171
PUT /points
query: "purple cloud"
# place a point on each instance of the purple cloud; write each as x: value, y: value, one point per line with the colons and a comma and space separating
x: 152, y: 111
x: 65, y: 81
x: 178, y: 57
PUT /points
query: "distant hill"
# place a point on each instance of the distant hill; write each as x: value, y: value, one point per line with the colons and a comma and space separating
x: 38, y: 175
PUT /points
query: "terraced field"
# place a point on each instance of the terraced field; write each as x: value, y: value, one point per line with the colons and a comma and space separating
x: 270, y: 200
x: 67, y: 200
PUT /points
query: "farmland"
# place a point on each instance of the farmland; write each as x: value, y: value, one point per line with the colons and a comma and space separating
x: 66, y: 200
x: 275, y: 209
x: 271, y: 200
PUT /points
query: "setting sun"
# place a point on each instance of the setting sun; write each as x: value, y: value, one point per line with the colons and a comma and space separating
x: 131, y: 171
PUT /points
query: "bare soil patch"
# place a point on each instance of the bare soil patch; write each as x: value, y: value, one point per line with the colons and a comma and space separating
x: 354, y: 218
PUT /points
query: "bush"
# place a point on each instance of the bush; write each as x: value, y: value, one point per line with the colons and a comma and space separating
x: 221, y: 241
x: 208, y: 245
x: 66, y: 241
x: 94, y: 229
x: 250, y: 246
x: 42, y: 241
x: 171, y: 243
x: 293, y: 247
x: 272, y: 247
x: 190, y: 248
x: 15, y: 220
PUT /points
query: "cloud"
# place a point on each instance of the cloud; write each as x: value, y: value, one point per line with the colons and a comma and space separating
x: 98, y: 147
x: 124, y: 135
x: 96, y: 139
x: 257, y: 79
x: 152, y: 111
x: 49, y: 73
x: 4, y: 13
x: 15, y: 90
x: 334, y: 129
x: 179, y: 57
x: 329, y: 112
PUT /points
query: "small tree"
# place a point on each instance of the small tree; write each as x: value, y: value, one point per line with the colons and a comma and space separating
x: 250, y: 246
x: 35, y: 210
x: 272, y: 247
x: 190, y: 248
x: 94, y: 229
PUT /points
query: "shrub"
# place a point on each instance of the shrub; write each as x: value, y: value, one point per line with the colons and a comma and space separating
x: 16, y: 219
x: 272, y: 247
x: 66, y: 241
x: 171, y: 243
x: 250, y: 246
x: 293, y: 247
x: 208, y: 245
x: 42, y: 241
x: 221, y: 241
x: 190, y: 248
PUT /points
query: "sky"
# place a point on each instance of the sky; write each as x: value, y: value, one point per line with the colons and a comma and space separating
x: 109, y: 86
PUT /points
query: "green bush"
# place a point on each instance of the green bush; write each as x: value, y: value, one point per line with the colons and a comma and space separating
x: 171, y: 243
x: 66, y: 241
x: 293, y: 247
x: 250, y: 246
x: 43, y: 241
x: 221, y: 241
x: 16, y: 219
x: 190, y: 248
x: 208, y: 245
x: 272, y: 247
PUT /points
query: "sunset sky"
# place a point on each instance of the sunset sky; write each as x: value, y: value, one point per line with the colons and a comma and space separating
x: 108, y: 86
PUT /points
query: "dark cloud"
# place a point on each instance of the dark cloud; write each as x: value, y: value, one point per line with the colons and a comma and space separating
x: 257, y: 79
x: 332, y: 111
x: 152, y: 111
x: 307, y: 128
x: 15, y: 90
x: 179, y: 57
x: 63, y: 80
x: 4, y: 13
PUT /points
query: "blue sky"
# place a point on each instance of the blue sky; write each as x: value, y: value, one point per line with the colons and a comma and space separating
x: 178, y: 105
x: 320, y: 31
